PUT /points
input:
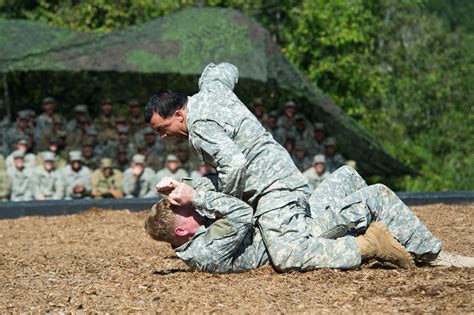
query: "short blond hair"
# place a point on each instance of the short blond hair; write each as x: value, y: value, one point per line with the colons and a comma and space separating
x: 160, y: 222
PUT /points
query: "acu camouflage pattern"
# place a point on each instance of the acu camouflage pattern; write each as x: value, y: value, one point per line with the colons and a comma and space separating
x: 21, y: 184
x: 143, y: 186
x: 72, y: 178
x: 49, y: 185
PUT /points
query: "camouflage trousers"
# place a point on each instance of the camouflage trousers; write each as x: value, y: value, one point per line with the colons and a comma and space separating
x: 345, y: 205
x: 287, y: 230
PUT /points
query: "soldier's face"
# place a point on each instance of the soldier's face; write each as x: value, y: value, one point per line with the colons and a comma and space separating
x: 48, y: 108
x: 188, y: 222
x: 123, y: 138
x: 22, y: 123
x: 106, y: 109
x: 76, y: 165
x: 330, y: 150
x: 107, y: 171
x: 319, y: 135
x: 48, y: 165
x: 172, y: 165
x: 135, y: 111
x: 87, y: 151
x: 319, y: 167
x: 174, y: 126
x: 19, y: 163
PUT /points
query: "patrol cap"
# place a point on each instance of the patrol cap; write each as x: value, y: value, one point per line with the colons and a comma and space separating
x: 106, y: 163
x: 75, y: 156
x: 319, y: 126
x: 122, y: 129
x: 88, y: 143
x: 31, y: 113
x: 80, y: 108
x: 299, y: 117
x: 133, y: 103
x: 48, y: 156
x: 23, y: 114
x: 22, y: 141
x: 290, y: 134
x: 290, y: 104
x: 138, y: 159
x: 61, y: 134
x: 91, y: 131
x: 319, y: 158
x: 57, y: 119
x: 330, y: 141
x: 53, y: 139
x: 120, y: 119
x: 171, y: 157
x: 273, y: 113
x: 148, y: 131
x: 18, y: 154
x: 48, y: 99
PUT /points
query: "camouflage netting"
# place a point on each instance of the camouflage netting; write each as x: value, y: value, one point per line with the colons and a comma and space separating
x: 171, y: 52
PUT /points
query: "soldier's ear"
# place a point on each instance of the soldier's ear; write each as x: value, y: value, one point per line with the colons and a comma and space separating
x: 179, y: 231
x: 180, y: 115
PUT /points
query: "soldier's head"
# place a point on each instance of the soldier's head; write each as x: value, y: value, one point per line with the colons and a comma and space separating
x: 19, y: 159
x: 80, y: 112
x: 257, y: 108
x: 75, y: 159
x: 175, y: 225
x: 149, y: 136
x: 318, y: 132
x: 272, y: 119
x: 22, y: 120
x: 48, y: 105
x: 172, y: 163
x: 300, y: 123
x: 290, y: 109
x: 22, y: 144
x: 48, y: 161
x: 138, y: 164
x: 319, y: 163
x: 106, y: 108
x: 134, y: 108
x: 91, y: 135
x: 330, y: 146
x: 182, y: 152
x: 166, y: 114
x: 123, y: 137
x: 106, y: 166
x: 299, y: 150
x: 53, y: 144
x: 120, y: 122
x: 87, y: 149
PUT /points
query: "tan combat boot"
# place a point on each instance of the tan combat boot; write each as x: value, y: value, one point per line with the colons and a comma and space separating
x: 378, y: 243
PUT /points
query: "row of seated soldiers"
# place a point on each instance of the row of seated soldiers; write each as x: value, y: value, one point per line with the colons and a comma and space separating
x: 120, y: 138
x: 77, y: 181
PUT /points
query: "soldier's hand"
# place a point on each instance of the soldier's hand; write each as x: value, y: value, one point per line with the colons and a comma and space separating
x: 166, y: 185
x: 182, y: 195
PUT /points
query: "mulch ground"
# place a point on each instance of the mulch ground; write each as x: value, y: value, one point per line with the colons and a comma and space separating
x: 103, y: 261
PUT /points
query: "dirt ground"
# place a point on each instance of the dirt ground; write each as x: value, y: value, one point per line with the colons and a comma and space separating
x: 103, y: 261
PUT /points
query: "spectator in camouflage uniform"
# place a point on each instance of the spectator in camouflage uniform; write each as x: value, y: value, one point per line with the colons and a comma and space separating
x: 89, y: 158
x: 155, y: 146
x: 302, y: 132
x: 81, y: 116
x: 138, y: 180
x: 258, y: 110
x: 189, y: 162
x: 172, y: 169
x: 21, y: 178
x: 76, y: 177
x: 107, y: 182
x: 317, y: 173
x: 44, y: 122
x: 152, y: 160
x: 56, y: 128
x: 135, y: 120
x: 300, y: 158
x: 272, y: 127
x: 47, y: 181
x: 21, y: 130
x: 319, y: 135
x: 334, y: 160
x: 5, y: 185
x: 287, y: 120
x: 123, y: 140
x: 105, y: 122
x: 28, y: 158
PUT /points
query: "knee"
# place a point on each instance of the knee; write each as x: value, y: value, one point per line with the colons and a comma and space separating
x: 285, y: 265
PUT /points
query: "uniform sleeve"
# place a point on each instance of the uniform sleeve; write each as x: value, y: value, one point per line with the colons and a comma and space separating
x: 220, y: 151
x: 215, y: 250
x: 222, y: 76
x: 59, y: 187
x: 35, y: 185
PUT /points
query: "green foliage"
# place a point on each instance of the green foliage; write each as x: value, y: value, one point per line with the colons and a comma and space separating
x: 402, y: 68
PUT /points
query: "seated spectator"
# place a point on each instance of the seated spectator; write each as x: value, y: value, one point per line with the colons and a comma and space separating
x: 334, y: 160
x: 317, y: 173
x: 81, y: 116
x: 20, y: 130
x: 172, y: 169
x: 28, y: 158
x: 138, y: 180
x: 272, y: 127
x: 152, y: 160
x: 44, y: 122
x: 258, y: 110
x: 105, y: 122
x: 135, y: 118
x: 56, y: 128
x: 21, y: 178
x: 89, y: 158
x: 319, y: 135
x: 121, y: 158
x: 47, y: 182
x: 188, y: 161
x: 76, y: 177
x: 107, y: 182
x: 154, y: 145
x: 123, y: 140
x: 290, y: 140
x: 5, y: 185
x: 299, y: 157
x: 287, y: 120
x: 302, y: 133
x: 100, y: 150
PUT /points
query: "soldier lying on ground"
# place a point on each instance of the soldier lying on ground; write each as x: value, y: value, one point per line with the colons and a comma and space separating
x: 215, y: 232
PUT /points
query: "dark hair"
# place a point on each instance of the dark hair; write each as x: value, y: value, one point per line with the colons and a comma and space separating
x: 164, y: 103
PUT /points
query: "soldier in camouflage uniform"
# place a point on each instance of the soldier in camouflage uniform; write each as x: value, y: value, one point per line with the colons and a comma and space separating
x: 250, y: 166
x: 272, y: 127
x: 107, y: 182
x: 29, y: 158
x: 5, y: 185
x: 317, y: 173
x: 172, y: 169
x: 21, y: 178
x: 287, y: 120
x: 334, y: 160
x: 76, y: 177
x: 81, y: 116
x: 47, y: 182
x: 219, y: 236
x: 123, y: 140
x: 135, y: 120
x: 89, y: 158
x: 57, y: 126
x: 189, y: 162
x: 44, y: 122
x: 300, y: 158
x: 21, y: 130
x: 302, y: 132
x: 138, y: 180
x: 105, y: 122
x: 317, y: 144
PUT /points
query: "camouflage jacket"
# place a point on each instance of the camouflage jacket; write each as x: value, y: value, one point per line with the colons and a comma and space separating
x: 72, y: 179
x: 47, y: 184
x: 21, y: 184
x: 228, y: 137
x: 143, y: 186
